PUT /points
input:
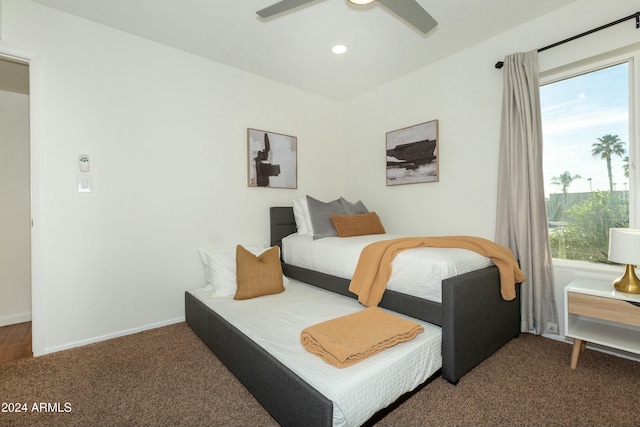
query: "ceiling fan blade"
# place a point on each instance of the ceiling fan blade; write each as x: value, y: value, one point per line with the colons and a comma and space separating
x: 281, y: 6
x: 412, y: 12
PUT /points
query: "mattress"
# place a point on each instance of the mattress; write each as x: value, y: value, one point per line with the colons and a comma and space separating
x: 274, y: 322
x: 418, y: 271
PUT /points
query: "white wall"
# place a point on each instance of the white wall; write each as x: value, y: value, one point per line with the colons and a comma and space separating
x: 458, y: 92
x: 166, y: 132
x: 464, y: 93
x: 15, y: 224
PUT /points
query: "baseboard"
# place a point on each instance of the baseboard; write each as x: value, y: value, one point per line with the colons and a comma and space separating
x: 126, y: 332
x: 596, y: 347
x: 15, y: 318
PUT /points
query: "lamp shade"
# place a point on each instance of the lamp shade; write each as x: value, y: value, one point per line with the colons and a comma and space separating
x: 624, y: 246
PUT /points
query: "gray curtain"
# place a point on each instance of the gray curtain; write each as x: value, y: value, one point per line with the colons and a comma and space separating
x: 521, y: 221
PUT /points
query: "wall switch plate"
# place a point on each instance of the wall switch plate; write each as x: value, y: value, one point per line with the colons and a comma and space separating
x: 85, y: 184
x: 85, y: 165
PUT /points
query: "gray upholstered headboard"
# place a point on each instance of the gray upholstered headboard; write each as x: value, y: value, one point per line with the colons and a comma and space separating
x: 282, y: 223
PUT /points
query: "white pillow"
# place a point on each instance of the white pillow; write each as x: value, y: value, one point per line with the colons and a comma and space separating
x: 207, y: 271
x: 307, y: 216
x: 302, y: 217
x: 221, y: 265
x: 298, y: 214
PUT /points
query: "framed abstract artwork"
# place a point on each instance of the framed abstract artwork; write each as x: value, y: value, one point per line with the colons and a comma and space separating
x: 272, y: 159
x: 412, y: 154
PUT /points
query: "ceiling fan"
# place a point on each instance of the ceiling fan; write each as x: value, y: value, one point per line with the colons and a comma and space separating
x: 409, y: 10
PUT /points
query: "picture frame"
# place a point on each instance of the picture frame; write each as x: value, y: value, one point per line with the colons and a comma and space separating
x: 412, y: 154
x: 272, y: 159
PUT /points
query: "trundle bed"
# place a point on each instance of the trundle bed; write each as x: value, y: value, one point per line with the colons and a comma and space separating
x: 472, y: 321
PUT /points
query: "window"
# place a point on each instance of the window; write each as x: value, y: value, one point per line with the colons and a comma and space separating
x: 585, y: 122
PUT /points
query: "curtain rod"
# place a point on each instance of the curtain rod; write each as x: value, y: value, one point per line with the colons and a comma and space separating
x: 636, y: 15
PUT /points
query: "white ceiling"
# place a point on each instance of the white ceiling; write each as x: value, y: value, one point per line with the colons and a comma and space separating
x: 294, y: 47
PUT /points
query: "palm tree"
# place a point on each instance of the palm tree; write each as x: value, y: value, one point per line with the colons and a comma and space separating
x: 564, y: 180
x: 608, y: 146
x: 625, y: 166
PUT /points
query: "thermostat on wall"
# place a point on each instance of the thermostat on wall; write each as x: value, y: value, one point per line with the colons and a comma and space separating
x: 84, y: 163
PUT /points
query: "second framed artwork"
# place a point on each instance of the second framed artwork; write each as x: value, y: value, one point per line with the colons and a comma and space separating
x: 412, y: 154
x: 272, y: 159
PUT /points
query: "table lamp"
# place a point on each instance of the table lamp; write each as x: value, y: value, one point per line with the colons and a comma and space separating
x: 624, y: 248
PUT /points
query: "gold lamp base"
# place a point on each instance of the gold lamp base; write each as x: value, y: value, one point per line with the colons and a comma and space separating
x: 629, y: 282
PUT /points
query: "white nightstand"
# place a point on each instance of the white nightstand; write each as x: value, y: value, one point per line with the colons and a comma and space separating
x: 595, y: 312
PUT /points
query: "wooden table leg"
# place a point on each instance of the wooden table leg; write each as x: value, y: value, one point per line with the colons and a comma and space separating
x: 578, y: 346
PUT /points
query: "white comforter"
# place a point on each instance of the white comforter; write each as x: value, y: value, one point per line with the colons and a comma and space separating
x: 418, y: 272
x: 274, y: 322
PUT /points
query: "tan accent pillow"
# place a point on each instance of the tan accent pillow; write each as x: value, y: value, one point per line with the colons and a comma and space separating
x: 258, y: 275
x: 357, y: 225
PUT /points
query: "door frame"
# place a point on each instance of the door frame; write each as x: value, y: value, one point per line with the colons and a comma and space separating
x: 34, y: 61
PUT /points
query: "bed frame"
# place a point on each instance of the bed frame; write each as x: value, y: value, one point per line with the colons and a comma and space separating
x: 475, y: 322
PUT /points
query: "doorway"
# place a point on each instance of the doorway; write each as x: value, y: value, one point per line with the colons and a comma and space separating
x: 34, y: 61
x: 15, y: 211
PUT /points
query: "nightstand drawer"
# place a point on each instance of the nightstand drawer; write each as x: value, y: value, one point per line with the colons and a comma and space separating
x: 604, y: 308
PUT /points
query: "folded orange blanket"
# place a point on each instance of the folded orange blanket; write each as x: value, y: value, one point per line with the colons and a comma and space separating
x: 347, y: 340
x: 374, y: 265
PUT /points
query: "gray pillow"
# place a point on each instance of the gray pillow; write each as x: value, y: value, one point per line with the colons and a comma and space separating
x: 356, y: 208
x: 320, y: 214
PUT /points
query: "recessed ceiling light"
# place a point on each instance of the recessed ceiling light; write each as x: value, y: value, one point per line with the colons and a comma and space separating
x: 361, y: 1
x: 339, y: 49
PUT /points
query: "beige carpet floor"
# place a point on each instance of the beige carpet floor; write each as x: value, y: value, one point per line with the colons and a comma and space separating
x: 168, y: 377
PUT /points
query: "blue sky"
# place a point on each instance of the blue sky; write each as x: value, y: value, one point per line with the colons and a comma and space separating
x: 575, y: 113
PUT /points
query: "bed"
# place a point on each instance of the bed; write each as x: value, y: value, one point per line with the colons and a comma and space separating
x: 476, y: 321
x: 295, y: 386
x: 470, y: 323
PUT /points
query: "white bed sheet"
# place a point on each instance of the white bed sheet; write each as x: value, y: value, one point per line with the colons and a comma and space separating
x: 274, y: 322
x: 418, y: 271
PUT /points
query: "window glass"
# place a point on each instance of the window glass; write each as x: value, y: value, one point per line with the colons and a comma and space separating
x: 585, y: 122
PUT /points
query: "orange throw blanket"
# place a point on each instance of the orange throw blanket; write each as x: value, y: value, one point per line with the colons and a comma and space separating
x: 347, y: 340
x: 374, y: 265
